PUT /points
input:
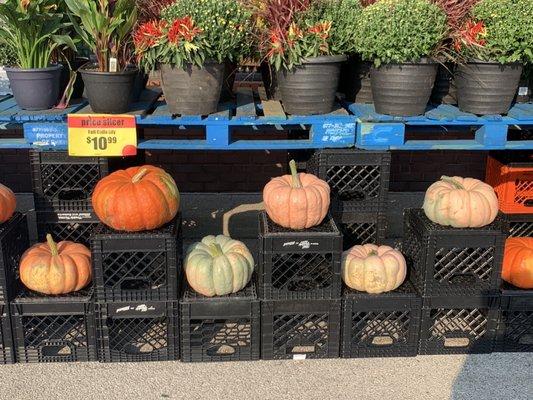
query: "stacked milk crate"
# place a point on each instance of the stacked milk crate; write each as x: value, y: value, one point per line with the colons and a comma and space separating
x: 373, y: 325
x: 55, y: 328
x: 511, y: 175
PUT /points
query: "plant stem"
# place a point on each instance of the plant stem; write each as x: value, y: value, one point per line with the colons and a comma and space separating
x: 139, y: 175
x: 295, y: 179
x: 452, y: 182
x: 52, y: 245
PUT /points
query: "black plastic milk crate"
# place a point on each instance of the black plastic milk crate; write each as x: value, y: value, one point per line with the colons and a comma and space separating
x: 72, y: 226
x: 362, y: 228
x: 7, y: 355
x: 299, y: 264
x: 359, y: 179
x: 451, y: 261
x: 520, y: 225
x: 515, y: 325
x: 137, y: 266
x: 458, y: 325
x: 64, y: 183
x: 145, y: 331
x: 300, y: 329
x: 381, y: 325
x: 14, y: 242
x: 222, y: 328
x: 54, y: 328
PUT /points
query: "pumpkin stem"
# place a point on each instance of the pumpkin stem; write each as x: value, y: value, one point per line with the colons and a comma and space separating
x: 373, y: 253
x: 217, y: 250
x: 139, y: 175
x: 52, y: 245
x: 295, y: 179
x: 452, y: 181
x: 238, y: 210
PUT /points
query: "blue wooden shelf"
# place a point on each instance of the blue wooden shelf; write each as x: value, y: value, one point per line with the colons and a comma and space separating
x: 378, y: 131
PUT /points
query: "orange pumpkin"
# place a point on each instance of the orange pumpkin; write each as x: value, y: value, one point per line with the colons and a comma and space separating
x: 8, y: 203
x: 56, y: 268
x: 518, y: 262
x: 297, y: 201
x: 136, y: 199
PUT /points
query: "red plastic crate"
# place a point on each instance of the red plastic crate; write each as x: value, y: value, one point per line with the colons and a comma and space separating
x: 513, y: 182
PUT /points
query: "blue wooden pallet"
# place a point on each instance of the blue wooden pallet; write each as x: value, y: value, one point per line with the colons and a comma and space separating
x: 378, y: 131
x: 252, y: 110
x: 11, y: 113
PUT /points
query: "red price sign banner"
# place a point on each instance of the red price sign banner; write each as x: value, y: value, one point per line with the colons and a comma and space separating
x: 101, y: 135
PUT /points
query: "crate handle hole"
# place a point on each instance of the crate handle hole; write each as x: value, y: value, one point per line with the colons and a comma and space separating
x: 466, y: 279
x: 456, y: 342
x: 351, y: 195
x: 301, y: 349
x: 528, y: 203
x: 71, y: 194
x: 136, y: 284
x: 382, y: 341
x: 303, y: 285
x: 144, y: 348
x: 221, y: 350
x: 56, y: 350
x: 526, y: 339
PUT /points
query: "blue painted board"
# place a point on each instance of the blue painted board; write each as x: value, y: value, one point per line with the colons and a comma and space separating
x: 11, y: 112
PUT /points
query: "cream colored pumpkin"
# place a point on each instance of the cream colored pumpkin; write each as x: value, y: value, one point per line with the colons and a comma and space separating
x: 373, y: 269
x: 218, y: 265
x: 461, y: 203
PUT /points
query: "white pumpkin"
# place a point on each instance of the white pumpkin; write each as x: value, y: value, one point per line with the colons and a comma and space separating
x: 218, y: 265
x: 461, y: 203
x: 373, y: 269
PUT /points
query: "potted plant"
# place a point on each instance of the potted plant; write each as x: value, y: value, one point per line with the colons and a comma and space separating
x: 31, y: 29
x: 401, y: 37
x: 495, y: 42
x: 309, y: 54
x: 191, y: 44
x: 7, y: 59
x: 105, y: 26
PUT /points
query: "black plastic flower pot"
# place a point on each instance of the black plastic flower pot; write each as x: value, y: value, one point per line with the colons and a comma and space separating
x: 109, y: 92
x: 356, y: 84
x: 310, y: 88
x: 192, y: 90
x: 35, y: 89
x: 445, y: 90
x: 403, y: 89
x: 487, y: 88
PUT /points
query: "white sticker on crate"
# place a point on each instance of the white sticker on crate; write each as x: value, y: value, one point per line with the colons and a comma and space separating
x: 304, y: 244
x: 73, y: 216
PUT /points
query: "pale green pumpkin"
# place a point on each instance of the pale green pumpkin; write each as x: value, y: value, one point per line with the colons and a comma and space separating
x: 218, y: 265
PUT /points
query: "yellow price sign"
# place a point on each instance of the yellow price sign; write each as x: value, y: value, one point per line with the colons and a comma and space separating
x: 101, y: 135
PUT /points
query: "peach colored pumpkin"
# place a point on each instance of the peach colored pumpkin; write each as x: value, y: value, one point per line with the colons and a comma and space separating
x: 518, y: 262
x: 461, y: 203
x: 373, y: 269
x: 8, y: 203
x: 56, y: 268
x: 297, y: 201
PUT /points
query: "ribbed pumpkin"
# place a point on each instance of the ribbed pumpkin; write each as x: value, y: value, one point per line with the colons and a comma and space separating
x: 461, y: 203
x: 56, y: 268
x: 136, y: 199
x: 518, y: 262
x: 8, y: 203
x: 373, y: 269
x: 218, y: 265
x: 297, y: 201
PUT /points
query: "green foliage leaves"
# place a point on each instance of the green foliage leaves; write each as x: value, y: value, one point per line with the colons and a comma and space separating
x: 225, y: 25
x: 509, y: 30
x: 326, y: 28
x: 33, y: 30
x: 396, y: 31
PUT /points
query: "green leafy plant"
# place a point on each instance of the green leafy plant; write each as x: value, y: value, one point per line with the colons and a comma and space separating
x: 32, y: 29
x: 499, y: 30
x: 8, y: 57
x: 105, y: 26
x: 193, y: 32
x: 398, y: 31
x: 325, y: 28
